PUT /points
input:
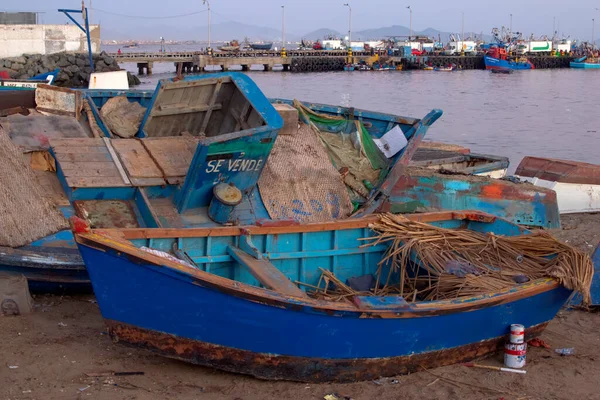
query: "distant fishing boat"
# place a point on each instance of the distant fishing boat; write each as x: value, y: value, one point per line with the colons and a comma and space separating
x: 444, y: 69
x: 234, y: 45
x: 585, y: 63
x: 496, y: 59
x: 130, y: 45
x: 261, y: 46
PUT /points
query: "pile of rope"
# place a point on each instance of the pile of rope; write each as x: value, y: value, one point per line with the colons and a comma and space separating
x: 435, y: 263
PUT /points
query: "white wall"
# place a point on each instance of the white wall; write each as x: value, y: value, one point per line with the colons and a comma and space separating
x: 16, y: 40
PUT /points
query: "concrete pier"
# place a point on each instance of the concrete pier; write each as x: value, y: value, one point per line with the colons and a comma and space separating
x: 308, y: 60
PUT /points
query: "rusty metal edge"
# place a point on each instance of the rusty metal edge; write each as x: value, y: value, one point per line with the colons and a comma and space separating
x: 302, y: 369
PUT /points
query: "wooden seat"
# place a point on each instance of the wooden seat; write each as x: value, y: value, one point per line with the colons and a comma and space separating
x: 89, y: 162
x: 266, y: 273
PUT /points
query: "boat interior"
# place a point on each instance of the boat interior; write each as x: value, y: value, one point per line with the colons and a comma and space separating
x: 194, y: 134
x: 294, y: 260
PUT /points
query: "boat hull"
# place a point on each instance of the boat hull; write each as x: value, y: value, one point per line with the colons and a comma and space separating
x: 268, y: 335
x: 584, y: 65
x: 265, y: 46
x: 498, y: 64
x: 48, y: 270
x: 577, y: 184
x: 304, y: 369
x: 424, y: 191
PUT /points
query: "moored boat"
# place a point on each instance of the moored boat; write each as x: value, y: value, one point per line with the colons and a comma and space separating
x: 349, y: 67
x: 585, y: 63
x: 259, y: 316
x: 29, y: 83
x: 496, y: 59
x: 439, y: 156
x: 577, y: 184
x: 261, y: 46
x: 234, y: 45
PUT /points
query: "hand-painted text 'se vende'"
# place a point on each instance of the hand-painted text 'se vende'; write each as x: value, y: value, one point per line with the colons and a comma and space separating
x: 238, y: 165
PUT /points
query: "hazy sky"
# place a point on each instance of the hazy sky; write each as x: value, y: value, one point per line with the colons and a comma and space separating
x: 529, y: 16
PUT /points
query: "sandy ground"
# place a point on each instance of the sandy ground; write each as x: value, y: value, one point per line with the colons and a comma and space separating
x: 46, y: 354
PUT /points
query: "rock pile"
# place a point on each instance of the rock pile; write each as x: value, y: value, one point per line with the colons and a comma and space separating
x: 74, y: 67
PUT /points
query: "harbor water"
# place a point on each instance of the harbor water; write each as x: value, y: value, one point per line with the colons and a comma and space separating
x: 547, y: 113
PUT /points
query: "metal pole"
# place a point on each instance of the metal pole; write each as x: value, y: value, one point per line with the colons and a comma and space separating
x: 510, y: 23
x: 593, y: 26
x: 282, y: 27
x: 89, y: 42
x: 410, y: 34
x: 349, y: 25
x: 91, y: 8
x: 208, y: 5
x: 462, y: 36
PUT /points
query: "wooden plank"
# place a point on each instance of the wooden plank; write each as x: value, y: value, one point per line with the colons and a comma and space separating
x: 353, y: 223
x: 173, y: 155
x: 213, y: 100
x: 76, y: 142
x: 85, y: 165
x: 92, y: 170
x: 166, y: 212
x: 99, y: 182
x: 57, y: 100
x: 136, y: 159
x: 147, y: 181
x: 266, y: 273
x: 170, y: 109
x: 81, y: 157
x: 116, y: 160
x: 79, y: 150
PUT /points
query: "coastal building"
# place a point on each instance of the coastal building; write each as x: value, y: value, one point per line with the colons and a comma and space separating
x: 20, y: 33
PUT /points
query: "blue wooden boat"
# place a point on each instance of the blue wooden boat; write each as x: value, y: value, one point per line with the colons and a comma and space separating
x: 233, y: 304
x: 585, y: 63
x: 174, y: 194
x: 149, y: 200
x: 29, y: 83
x: 261, y: 46
x: 504, y: 64
x: 349, y: 67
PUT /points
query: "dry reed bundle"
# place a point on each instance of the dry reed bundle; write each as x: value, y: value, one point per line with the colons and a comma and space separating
x: 421, y: 254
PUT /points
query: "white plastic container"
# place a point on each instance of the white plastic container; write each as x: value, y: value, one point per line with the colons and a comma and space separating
x: 517, y: 334
x: 515, y: 355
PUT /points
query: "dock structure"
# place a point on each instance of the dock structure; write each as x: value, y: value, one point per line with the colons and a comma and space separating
x: 306, y: 60
x: 198, y: 61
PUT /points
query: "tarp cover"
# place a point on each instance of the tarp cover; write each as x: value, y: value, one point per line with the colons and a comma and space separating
x: 25, y: 213
x: 299, y: 181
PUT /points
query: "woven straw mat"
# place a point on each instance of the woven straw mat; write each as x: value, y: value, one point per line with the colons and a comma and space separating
x: 25, y: 213
x: 300, y: 182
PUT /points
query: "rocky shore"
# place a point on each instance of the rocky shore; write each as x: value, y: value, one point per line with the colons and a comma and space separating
x: 74, y: 67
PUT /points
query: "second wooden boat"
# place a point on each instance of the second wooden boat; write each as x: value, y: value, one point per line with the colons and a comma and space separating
x: 577, y: 184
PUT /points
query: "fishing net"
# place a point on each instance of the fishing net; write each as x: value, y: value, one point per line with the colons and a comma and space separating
x: 351, y: 149
x: 26, y: 214
x: 457, y: 262
x: 299, y: 182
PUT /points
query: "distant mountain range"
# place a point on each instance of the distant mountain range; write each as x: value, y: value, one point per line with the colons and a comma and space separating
x: 226, y: 31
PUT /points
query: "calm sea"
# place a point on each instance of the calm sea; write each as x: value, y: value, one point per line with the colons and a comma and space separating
x: 548, y: 113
